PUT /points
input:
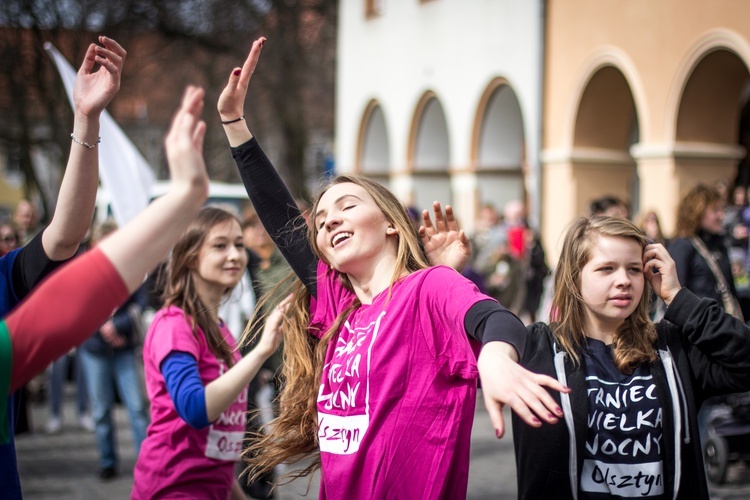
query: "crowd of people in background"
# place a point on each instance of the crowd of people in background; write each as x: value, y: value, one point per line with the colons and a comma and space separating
x: 209, y: 384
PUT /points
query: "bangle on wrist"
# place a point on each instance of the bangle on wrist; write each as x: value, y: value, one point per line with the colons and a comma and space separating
x: 227, y: 122
x: 86, y: 144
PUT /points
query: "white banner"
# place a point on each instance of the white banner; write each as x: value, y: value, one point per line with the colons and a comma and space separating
x: 124, y: 173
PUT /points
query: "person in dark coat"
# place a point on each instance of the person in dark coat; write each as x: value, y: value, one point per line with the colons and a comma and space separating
x: 700, y: 219
x: 627, y: 421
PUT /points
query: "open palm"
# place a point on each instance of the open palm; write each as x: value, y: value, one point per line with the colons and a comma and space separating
x: 444, y: 243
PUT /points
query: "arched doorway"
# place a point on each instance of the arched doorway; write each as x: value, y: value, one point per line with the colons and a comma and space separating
x: 498, y: 146
x: 374, y: 153
x: 429, y: 154
x: 606, y: 126
x: 710, y: 123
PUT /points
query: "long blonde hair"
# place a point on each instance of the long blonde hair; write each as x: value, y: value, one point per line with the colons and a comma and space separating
x: 180, y: 288
x: 634, y: 339
x: 293, y: 434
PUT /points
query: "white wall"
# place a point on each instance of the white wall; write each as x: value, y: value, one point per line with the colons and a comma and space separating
x: 454, y: 48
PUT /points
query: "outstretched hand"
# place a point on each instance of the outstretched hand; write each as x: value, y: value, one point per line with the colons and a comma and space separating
x: 232, y: 99
x: 94, y: 90
x: 504, y: 381
x: 661, y: 271
x: 184, y: 142
x: 443, y: 242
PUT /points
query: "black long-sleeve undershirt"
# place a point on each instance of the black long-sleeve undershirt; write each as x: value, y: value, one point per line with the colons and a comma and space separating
x: 31, y: 266
x: 277, y: 210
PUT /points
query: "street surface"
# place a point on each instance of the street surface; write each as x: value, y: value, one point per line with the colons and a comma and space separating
x: 64, y: 466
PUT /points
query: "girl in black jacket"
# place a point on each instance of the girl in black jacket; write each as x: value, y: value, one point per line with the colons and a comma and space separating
x: 629, y: 425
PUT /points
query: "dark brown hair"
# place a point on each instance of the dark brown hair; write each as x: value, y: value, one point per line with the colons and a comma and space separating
x: 180, y: 288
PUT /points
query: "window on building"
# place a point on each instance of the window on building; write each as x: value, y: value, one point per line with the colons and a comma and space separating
x: 373, y: 8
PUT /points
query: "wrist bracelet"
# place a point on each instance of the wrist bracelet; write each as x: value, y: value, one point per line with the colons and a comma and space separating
x: 233, y: 121
x: 85, y: 144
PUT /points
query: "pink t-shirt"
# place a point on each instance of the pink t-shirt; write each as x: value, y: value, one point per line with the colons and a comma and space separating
x: 176, y: 460
x: 396, y: 402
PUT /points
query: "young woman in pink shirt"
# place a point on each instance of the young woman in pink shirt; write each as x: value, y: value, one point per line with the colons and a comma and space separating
x: 380, y: 376
x: 195, y: 377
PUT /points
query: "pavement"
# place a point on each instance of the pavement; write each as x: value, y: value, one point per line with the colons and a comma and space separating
x: 64, y: 465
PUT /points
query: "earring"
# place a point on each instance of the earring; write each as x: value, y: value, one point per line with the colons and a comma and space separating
x: 391, y: 230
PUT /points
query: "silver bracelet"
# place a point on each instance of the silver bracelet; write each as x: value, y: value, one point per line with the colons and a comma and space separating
x: 85, y: 144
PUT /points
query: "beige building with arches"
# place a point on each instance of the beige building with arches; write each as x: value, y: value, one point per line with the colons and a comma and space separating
x: 553, y: 102
x: 643, y: 99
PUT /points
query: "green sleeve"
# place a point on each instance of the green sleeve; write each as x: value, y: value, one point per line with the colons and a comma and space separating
x: 6, y: 353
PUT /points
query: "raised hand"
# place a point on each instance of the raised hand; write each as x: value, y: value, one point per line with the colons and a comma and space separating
x: 660, y: 270
x: 443, y: 242
x: 184, y: 142
x: 504, y: 381
x: 232, y: 99
x: 272, y: 329
x: 94, y: 90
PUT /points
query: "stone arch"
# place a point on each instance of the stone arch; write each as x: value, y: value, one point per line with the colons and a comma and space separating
x: 705, y: 106
x: 605, y: 126
x: 429, y: 153
x: 498, y: 145
x: 373, y: 146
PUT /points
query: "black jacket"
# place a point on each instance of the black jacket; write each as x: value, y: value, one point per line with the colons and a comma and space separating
x: 692, y: 269
x: 702, y: 352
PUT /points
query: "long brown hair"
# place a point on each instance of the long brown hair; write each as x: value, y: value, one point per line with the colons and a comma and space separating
x: 634, y: 339
x: 180, y: 289
x: 293, y: 434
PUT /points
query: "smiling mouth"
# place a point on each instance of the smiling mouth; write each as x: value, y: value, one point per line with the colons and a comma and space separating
x: 339, y: 238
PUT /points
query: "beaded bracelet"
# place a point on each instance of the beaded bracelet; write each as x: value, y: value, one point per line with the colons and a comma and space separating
x: 85, y: 144
x: 233, y: 121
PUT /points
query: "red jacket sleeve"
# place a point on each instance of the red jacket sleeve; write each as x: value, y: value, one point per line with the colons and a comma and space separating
x: 62, y: 312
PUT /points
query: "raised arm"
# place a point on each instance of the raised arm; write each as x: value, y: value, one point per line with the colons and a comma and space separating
x: 221, y: 392
x: 153, y: 232
x: 65, y: 310
x: 272, y: 200
x: 75, y: 203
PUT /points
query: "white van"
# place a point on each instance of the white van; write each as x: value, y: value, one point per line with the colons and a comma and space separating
x: 233, y: 197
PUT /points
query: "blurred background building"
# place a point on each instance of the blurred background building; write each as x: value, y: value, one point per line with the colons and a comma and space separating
x: 441, y: 99
x: 552, y: 102
x: 555, y: 102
